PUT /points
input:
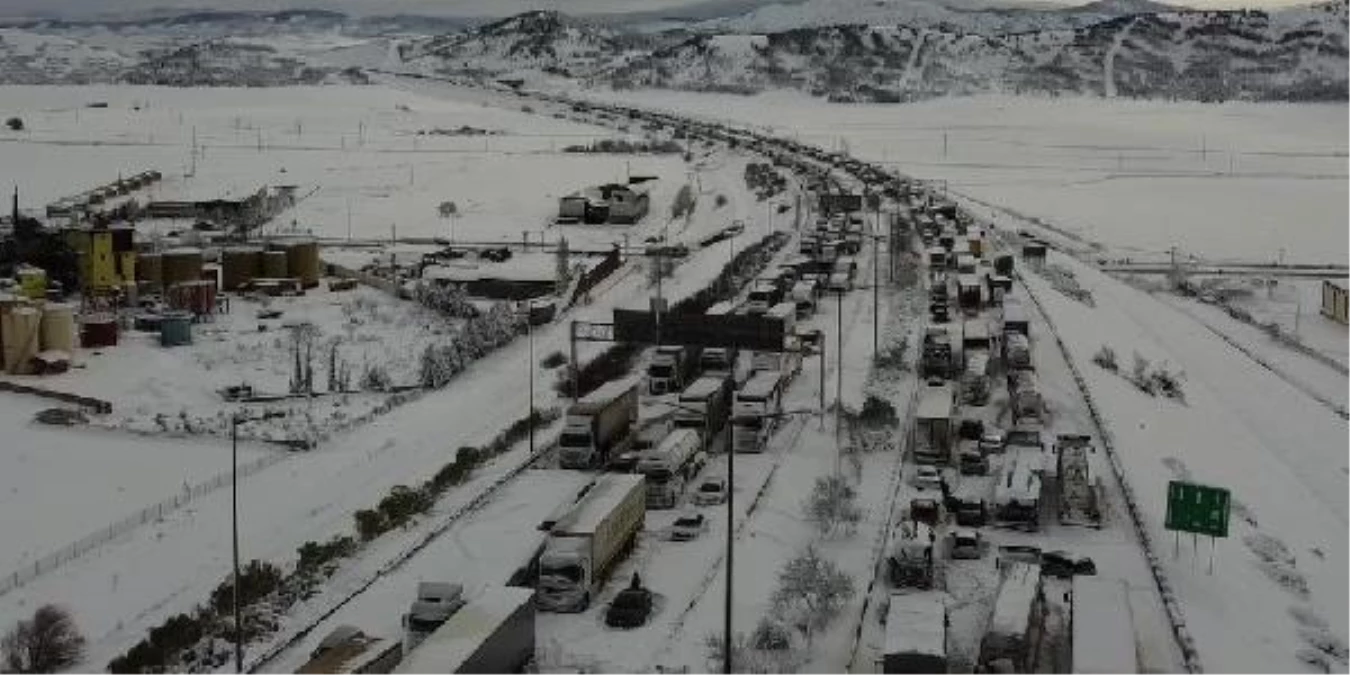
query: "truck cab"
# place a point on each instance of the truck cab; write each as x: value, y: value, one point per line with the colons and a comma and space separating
x: 436, y: 602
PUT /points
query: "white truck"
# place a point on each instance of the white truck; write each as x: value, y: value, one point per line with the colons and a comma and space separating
x: 1079, y: 473
x: 1017, y: 493
x: 934, y: 432
x: 804, y: 294
x: 1011, y: 635
x: 755, y: 409
x: 670, y: 368
x: 669, y: 466
x: 705, y: 406
x: 586, y: 545
x: 598, y: 425
x: 436, y: 602
x: 916, y: 633
x: 494, y: 633
x: 1104, y: 640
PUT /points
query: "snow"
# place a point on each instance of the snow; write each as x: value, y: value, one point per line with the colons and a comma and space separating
x: 1103, y: 634
x: 598, y: 505
x: 445, y: 650
x: 916, y: 624
x: 1012, y: 609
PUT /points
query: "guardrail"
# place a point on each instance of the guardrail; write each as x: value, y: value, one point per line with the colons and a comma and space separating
x: 1171, y: 607
x: 93, y: 540
x: 98, y: 405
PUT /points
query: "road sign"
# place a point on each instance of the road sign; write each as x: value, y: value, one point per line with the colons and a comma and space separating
x: 760, y: 333
x: 1199, y: 509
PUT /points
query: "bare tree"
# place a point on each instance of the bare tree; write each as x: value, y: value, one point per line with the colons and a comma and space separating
x: 811, y: 592
x: 832, y: 502
x: 44, y: 644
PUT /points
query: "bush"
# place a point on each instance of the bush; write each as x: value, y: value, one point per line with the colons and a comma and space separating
x: 256, y: 581
x: 1106, y: 358
x: 375, y: 378
x: 553, y: 360
x: 14, y: 124
x: 46, y: 643
x: 878, y: 413
x: 401, y: 504
x: 313, y: 556
x: 832, y: 502
x: 719, y: 201
x: 369, y: 524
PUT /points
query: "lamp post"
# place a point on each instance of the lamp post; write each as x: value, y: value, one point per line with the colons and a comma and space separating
x: 235, y: 420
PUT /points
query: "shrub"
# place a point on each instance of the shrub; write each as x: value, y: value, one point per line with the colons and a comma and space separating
x: 256, y: 580
x: 877, y: 413
x: 1106, y: 358
x: 313, y: 556
x: 14, y: 124
x: 553, y: 360
x: 46, y: 643
x: 719, y: 201
x: 401, y: 504
x: 369, y: 524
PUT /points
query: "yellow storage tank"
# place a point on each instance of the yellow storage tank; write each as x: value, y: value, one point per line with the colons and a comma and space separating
x: 21, y: 339
x: 303, y: 262
x: 274, y: 265
x: 58, y: 327
x: 32, y: 282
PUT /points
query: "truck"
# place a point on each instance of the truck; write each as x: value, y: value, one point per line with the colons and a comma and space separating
x: 348, y: 650
x: 969, y: 294
x: 937, y: 357
x: 765, y: 293
x: 804, y: 295
x: 756, y: 404
x: 970, y: 500
x: 1024, y: 396
x: 436, y: 602
x: 671, y: 368
x: 933, y: 430
x: 492, y: 634
x: 1015, y: 318
x: 705, y: 406
x: 586, y: 544
x: 669, y: 466
x: 975, y: 379
x: 1017, y: 492
x: 912, y: 557
x: 1079, y: 473
x: 916, y: 633
x: 1011, y: 636
x: 598, y: 425
x: 975, y: 335
x: 1017, y: 351
x: 785, y: 312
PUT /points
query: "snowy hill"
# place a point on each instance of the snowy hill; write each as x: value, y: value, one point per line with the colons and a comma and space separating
x: 1294, y: 54
x: 543, y: 41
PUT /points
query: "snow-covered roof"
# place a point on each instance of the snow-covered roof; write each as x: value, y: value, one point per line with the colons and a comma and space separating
x: 916, y: 624
x: 1103, y: 632
x: 1019, y: 481
x: 1012, y: 607
x: 608, y: 392
x: 445, y: 650
x: 702, y: 388
x: 976, y: 329
x: 936, y: 403
x: 520, y: 267
x: 609, y: 491
x: 760, y: 385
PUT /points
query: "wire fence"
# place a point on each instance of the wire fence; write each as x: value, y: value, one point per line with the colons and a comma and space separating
x: 75, y: 550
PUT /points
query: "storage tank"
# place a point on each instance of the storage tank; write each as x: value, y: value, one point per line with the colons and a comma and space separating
x: 275, y: 265
x: 32, y: 282
x: 197, y: 297
x: 58, y: 327
x: 22, y: 339
x: 181, y: 264
x: 239, y: 266
x: 175, y: 329
x: 98, y: 330
x: 150, y: 270
x: 302, y: 260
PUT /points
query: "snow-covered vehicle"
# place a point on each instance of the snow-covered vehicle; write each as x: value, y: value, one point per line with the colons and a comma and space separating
x: 586, y: 544
x: 493, y: 633
x: 1008, y: 644
x: 671, y: 368
x: 712, y: 491
x: 1104, y: 640
x: 911, y: 560
x: 688, y: 526
x: 754, y: 412
x: 933, y: 432
x: 669, y: 465
x: 916, y: 633
x: 436, y: 602
x: 965, y: 544
x: 1079, y: 473
x: 705, y: 406
x: 598, y: 425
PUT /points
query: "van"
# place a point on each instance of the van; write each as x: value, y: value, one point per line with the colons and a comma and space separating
x: 840, y: 282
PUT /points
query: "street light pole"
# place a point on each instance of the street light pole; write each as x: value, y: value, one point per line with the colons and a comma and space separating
x: 529, y: 419
x: 731, y: 536
x: 234, y: 529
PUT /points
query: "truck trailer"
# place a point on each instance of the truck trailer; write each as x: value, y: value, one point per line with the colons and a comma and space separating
x: 672, y: 367
x: 492, y: 634
x: 705, y: 406
x: 598, y: 425
x: 1079, y: 472
x: 916, y: 633
x: 754, y: 411
x: 669, y: 466
x: 586, y: 545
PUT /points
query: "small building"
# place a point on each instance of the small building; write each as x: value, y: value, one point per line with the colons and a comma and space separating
x: 612, y: 203
x: 1334, y: 297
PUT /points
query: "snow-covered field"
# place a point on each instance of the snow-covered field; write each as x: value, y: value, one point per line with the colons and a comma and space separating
x: 1234, y: 180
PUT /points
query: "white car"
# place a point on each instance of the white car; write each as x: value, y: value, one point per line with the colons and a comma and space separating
x: 688, y: 526
x: 711, y: 491
x: 966, y: 545
x: 926, y: 477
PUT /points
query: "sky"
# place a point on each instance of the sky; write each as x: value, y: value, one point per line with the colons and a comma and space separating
x: 467, y: 8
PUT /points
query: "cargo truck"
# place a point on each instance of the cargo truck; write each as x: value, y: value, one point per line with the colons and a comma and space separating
x: 672, y: 367
x: 492, y: 634
x: 916, y: 633
x: 669, y: 466
x: 705, y: 406
x: 586, y: 544
x: 598, y: 425
x: 1008, y: 646
x: 934, y: 432
x: 754, y: 413
x: 912, y: 557
x: 1079, y: 472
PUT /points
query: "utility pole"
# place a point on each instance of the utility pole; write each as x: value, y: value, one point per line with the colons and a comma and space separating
x: 838, y: 379
x: 234, y: 547
x: 529, y: 329
x: 731, y: 548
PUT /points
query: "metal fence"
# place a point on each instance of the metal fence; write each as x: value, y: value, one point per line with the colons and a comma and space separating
x: 74, y: 551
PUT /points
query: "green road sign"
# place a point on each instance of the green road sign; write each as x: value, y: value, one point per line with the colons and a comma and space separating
x: 1197, y: 508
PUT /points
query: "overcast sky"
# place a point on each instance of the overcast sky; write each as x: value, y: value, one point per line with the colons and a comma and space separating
x: 470, y: 8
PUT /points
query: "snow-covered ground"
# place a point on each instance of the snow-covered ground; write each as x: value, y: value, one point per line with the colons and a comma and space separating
x: 1233, y: 180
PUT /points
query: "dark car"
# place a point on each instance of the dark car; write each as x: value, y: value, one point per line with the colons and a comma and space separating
x: 624, y: 462
x: 630, y: 608
x: 1064, y: 565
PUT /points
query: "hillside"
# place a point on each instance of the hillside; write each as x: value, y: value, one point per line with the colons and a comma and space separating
x: 542, y: 41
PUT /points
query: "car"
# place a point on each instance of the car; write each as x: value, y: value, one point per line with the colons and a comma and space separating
x: 974, y: 463
x: 926, y: 477
x: 1063, y: 564
x: 970, y: 429
x: 630, y: 608
x: 991, y: 442
x: 966, y: 545
x: 624, y: 462
x: 711, y: 491
x: 687, y: 526
x: 925, y: 511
